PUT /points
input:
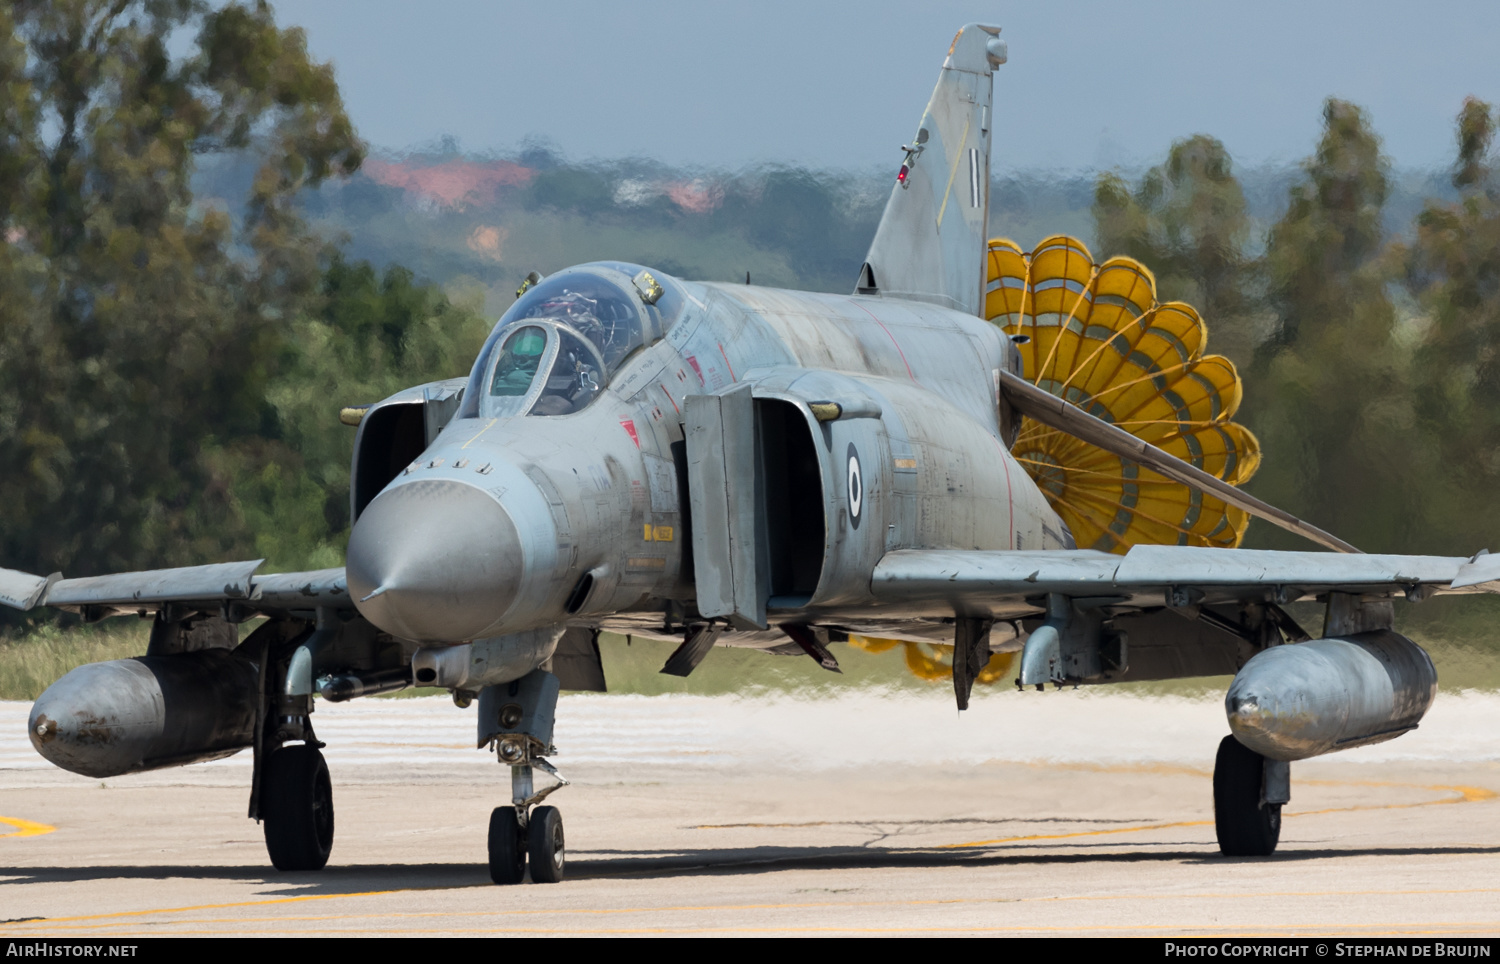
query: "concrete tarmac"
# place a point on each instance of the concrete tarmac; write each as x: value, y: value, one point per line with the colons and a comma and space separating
x: 858, y: 812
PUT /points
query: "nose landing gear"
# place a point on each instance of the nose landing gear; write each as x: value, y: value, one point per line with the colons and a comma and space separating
x: 517, y: 718
x: 516, y: 834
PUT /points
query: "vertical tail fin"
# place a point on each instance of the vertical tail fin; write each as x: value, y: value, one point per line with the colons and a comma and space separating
x: 930, y: 244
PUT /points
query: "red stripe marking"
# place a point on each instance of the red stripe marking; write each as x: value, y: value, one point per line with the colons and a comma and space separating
x: 669, y: 398
x: 1010, y: 501
x: 891, y: 337
x: 726, y: 361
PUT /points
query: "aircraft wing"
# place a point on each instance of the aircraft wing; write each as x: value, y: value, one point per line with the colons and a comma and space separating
x: 207, y: 588
x: 942, y: 582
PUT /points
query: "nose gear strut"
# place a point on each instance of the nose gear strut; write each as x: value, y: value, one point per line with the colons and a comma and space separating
x: 517, y: 718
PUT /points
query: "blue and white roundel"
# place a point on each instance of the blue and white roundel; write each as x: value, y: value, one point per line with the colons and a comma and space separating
x: 856, y: 487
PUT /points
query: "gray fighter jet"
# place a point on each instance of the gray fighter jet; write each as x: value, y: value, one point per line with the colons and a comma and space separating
x: 723, y: 464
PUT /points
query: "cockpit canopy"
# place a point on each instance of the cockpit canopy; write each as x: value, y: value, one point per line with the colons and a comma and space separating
x: 557, y: 347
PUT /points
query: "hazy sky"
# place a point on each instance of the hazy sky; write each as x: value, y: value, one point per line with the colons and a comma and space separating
x: 843, y: 84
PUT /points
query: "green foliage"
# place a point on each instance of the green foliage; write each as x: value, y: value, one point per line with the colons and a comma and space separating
x: 33, y: 662
x: 1325, y: 248
x: 1452, y: 269
x: 171, y: 365
x: 1187, y: 220
x: 1331, y: 399
x: 367, y: 336
x: 1370, y: 365
x: 138, y: 331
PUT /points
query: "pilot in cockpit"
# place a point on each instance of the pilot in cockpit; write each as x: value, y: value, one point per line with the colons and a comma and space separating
x: 574, y: 380
x: 517, y: 365
x: 554, y: 351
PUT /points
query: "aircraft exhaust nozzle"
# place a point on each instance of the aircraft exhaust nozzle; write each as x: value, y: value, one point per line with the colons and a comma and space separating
x: 126, y: 715
x: 1305, y: 699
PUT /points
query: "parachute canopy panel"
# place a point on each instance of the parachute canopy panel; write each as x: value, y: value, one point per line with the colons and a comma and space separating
x: 1097, y: 336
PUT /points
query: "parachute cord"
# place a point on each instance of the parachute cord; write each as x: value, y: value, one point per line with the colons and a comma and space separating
x: 1139, y: 322
x: 1163, y: 483
x: 1180, y: 366
x: 1056, y: 342
x: 1087, y: 496
x: 1026, y: 290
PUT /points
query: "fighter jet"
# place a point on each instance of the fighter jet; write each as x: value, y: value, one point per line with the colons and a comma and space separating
x: 731, y: 465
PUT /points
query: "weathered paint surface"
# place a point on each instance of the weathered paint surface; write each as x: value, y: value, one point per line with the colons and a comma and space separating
x: 105, y: 719
x: 1299, y: 701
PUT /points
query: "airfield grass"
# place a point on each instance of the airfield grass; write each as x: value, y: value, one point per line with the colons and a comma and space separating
x: 31, y: 662
x: 1458, y: 633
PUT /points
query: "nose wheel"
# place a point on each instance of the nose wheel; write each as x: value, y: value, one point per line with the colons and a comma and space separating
x: 507, y: 847
x: 516, y: 835
x: 544, y: 845
x: 516, y: 719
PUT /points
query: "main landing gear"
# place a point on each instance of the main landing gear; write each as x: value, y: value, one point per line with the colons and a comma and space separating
x: 517, y: 717
x: 290, y: 790
x: 297, y: 808
x: 1249, y: 790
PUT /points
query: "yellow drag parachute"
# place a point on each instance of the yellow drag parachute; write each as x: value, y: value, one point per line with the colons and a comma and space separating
x: 1096, y: 335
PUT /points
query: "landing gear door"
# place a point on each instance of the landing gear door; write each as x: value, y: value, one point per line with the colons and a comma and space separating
x: 730, y: 565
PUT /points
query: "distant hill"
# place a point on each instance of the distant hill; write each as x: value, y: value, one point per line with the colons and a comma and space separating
x: 477, y: 224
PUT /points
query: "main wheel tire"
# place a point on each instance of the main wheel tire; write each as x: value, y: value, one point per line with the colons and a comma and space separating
x: 544, y: 841
x: 1245, y: 826
x: 507, y: 848
x: 297, y: 808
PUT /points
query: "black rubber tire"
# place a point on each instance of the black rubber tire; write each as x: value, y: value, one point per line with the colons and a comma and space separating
x: 1245, y: 826
x: 507, y: 847
x: 297, y: 808
x: 544, y: 843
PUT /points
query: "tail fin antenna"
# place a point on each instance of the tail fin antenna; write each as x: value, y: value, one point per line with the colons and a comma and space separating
x: 930, y: 244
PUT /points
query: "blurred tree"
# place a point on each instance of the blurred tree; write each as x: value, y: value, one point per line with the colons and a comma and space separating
x: 1326, y: 246
x: 1452, y: 268
x: 1187, y: 221
x: 138, y: 329
x: 367, y: 336
x: 1329, y: 395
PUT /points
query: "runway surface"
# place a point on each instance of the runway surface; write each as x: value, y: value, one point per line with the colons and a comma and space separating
x: 864, y: 812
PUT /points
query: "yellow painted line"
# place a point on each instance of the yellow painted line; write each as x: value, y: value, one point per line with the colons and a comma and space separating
x: 1464, y: 795
x: 25, y: 828
x: 242, y: 903
x: 1076, y: 833
x: 1166, y: 769
x: 489, y: 425
x: 806, y: 823
x: 717, y: 908
x: 942, y: 208
x: 1468, y: 794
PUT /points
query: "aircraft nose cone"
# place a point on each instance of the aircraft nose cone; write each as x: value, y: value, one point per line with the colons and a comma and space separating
x: 443, y: 558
